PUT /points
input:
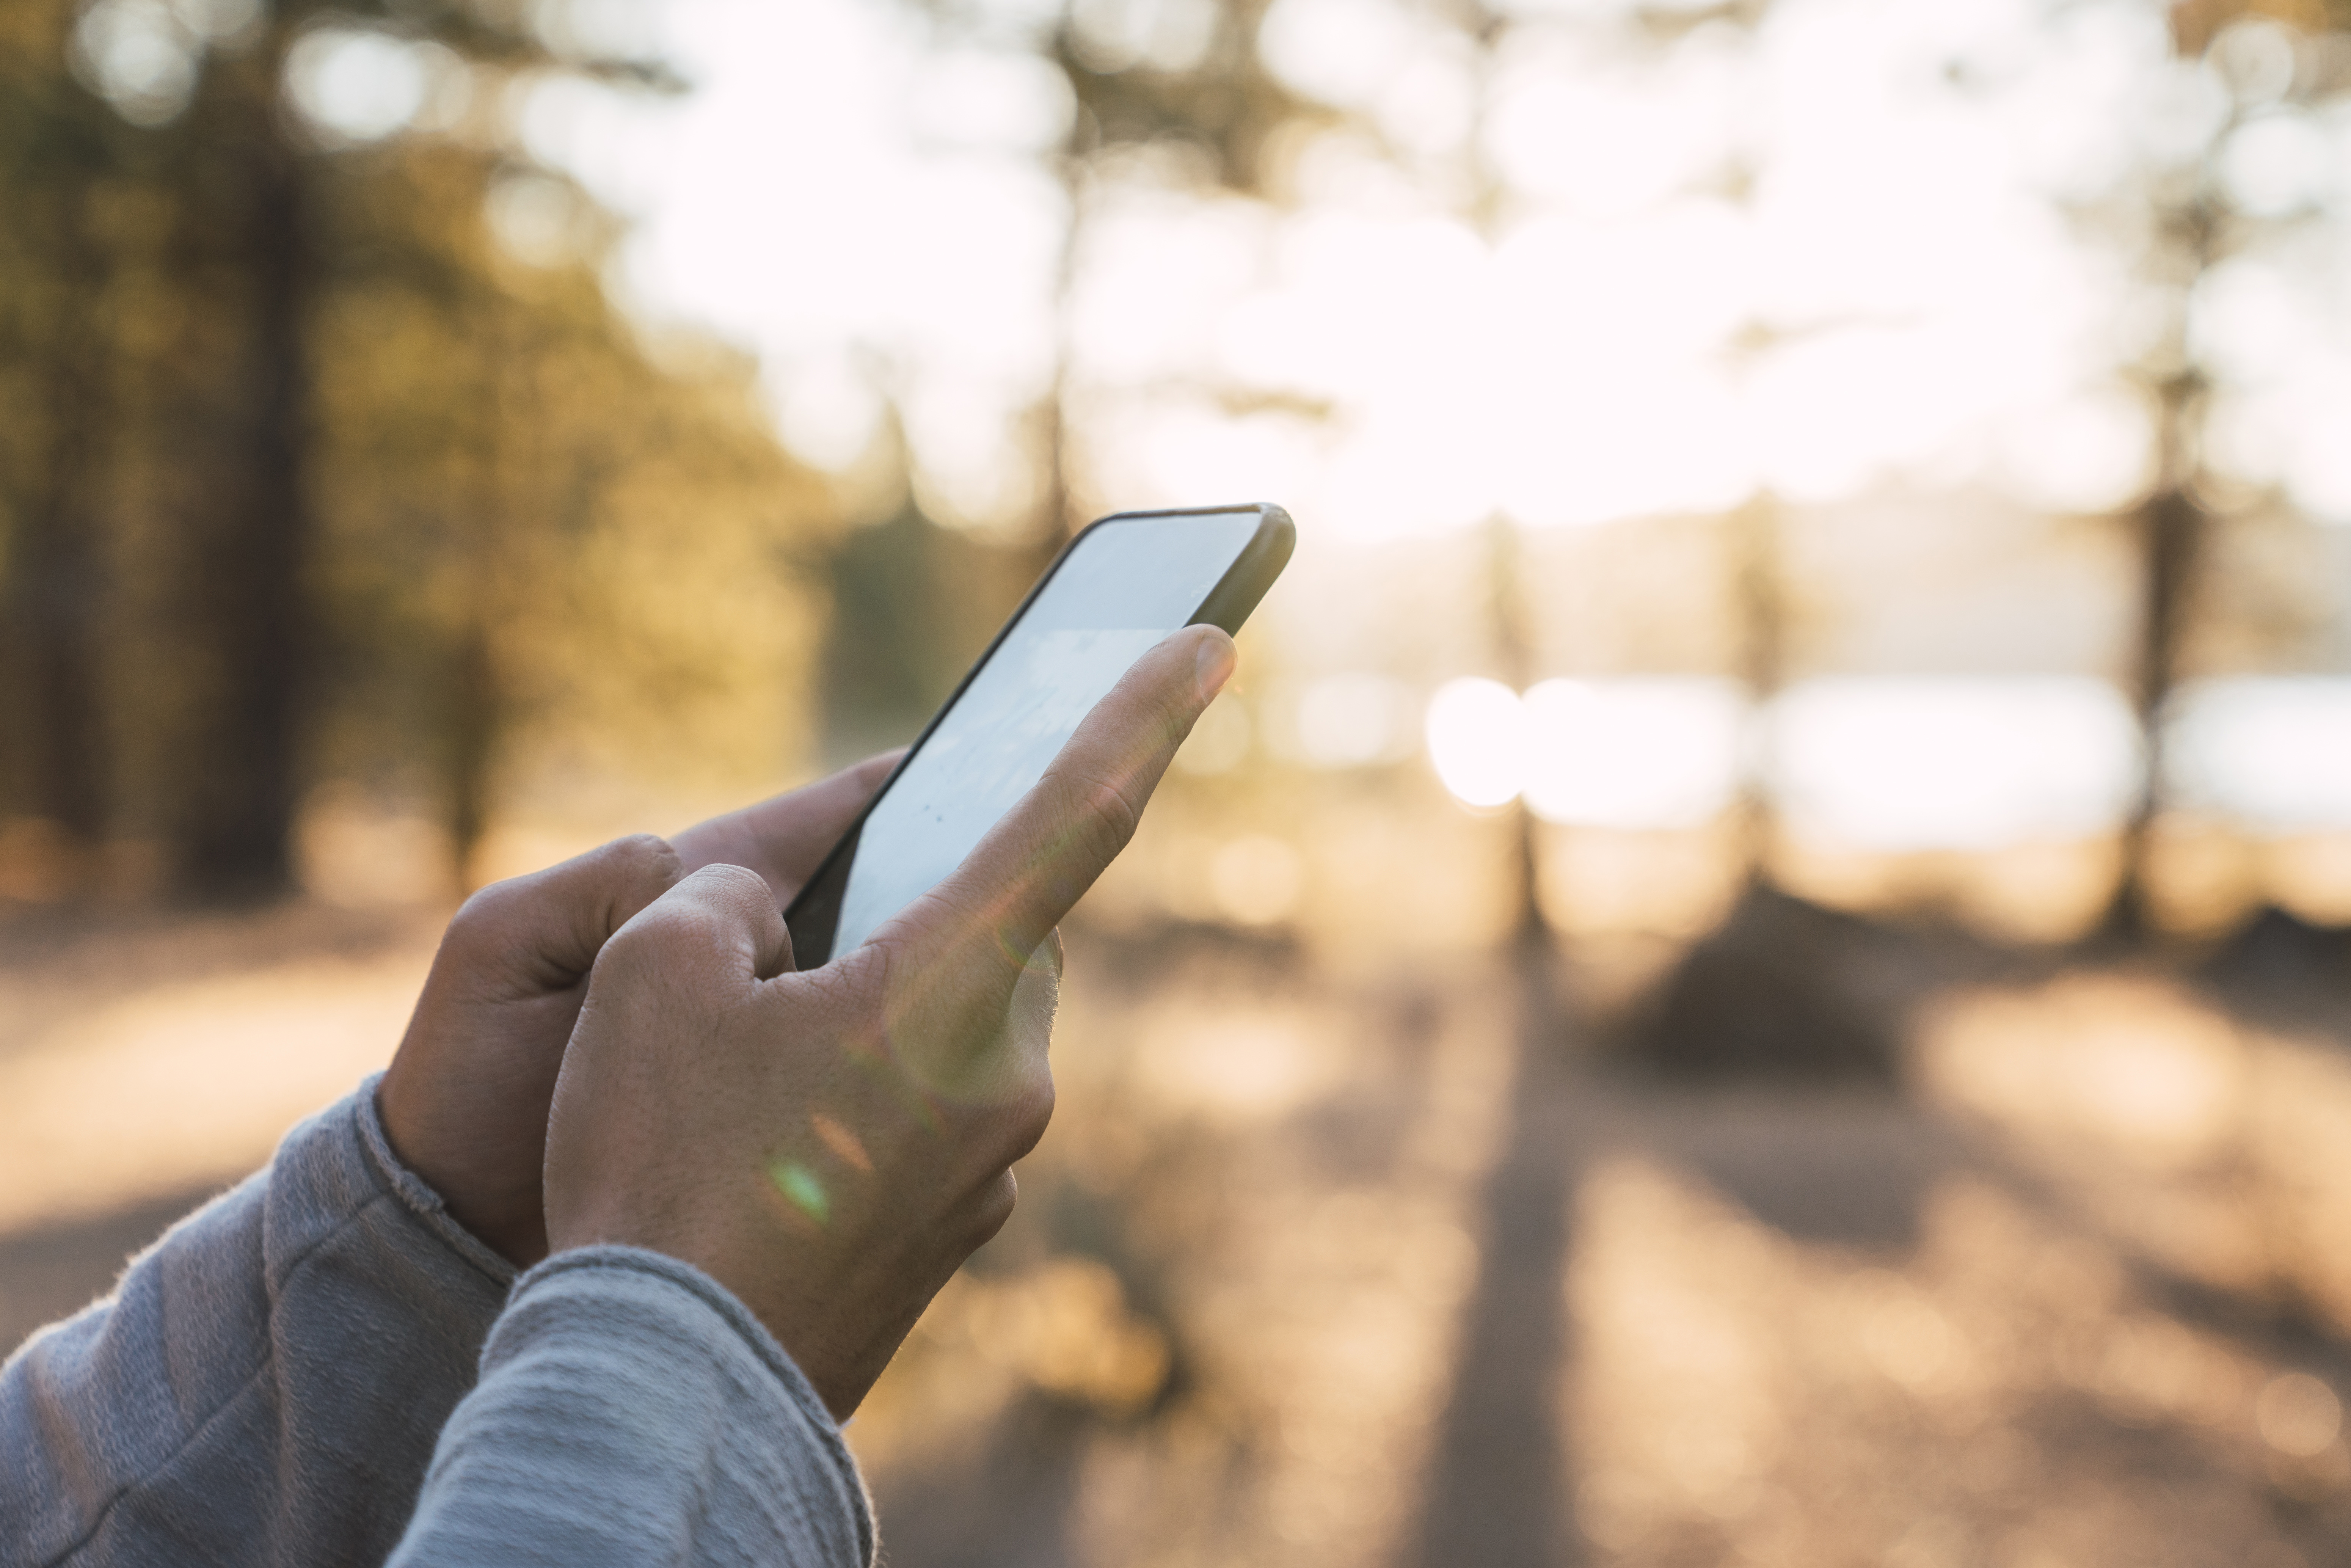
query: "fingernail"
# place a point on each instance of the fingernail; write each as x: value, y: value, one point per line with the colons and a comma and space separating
x: 1217, y: 658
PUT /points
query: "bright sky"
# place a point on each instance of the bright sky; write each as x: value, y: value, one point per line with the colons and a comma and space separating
x: 1827, y: 256
x: 870, y: 213
x: 1823, y: 255
x: 869, y: 210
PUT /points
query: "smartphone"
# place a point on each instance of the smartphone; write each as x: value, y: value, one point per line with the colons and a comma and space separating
x: 1113, y: 593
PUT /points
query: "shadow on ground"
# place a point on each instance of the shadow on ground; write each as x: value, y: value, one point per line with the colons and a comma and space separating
x: 1835, y: 1155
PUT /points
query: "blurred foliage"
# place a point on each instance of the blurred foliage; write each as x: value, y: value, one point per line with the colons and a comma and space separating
x: 1184, y: 83
x: 2196, y: 23
x: 2184, y: 224
x: 305, y: 475
x: 916, y: 600
x: 1206, y: 88
x: 914, y: 605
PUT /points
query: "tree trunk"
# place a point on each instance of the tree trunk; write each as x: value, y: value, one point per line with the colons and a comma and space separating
x: 1760, y: 590
x: 236, y: 833
x: 2171, y: 534
x: 1514, y: 652
x: 59, y: 569
x: 1057, y: 522
x: 474, y: 712
x: 2169, y: 530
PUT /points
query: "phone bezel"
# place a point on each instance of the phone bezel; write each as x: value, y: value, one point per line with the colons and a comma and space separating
x: 814, y: 914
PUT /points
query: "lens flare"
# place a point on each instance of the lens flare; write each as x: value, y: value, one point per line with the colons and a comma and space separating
x: 800, y: 1189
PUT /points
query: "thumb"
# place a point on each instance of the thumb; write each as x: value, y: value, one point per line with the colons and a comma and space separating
x: 548, y: 927
x: 722, y: 916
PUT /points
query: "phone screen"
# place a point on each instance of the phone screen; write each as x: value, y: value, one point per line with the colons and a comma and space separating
x: 1123, y: 585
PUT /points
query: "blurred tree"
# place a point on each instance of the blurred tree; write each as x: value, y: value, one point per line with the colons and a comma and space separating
x: 1760, y: 590
x: 1485, y: 32
x: 385, y: 475
x: 1509, y: 607
x: 56, y: 145
x: 246, y: 231
x: 1141, y: 73
x: 260, y: 190
x: 914, y: 603
x: 1180, y: 78
x: 530, y: 521
x: 2269, y: 56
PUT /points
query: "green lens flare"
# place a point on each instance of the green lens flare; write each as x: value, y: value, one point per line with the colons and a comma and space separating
x: 800, y: 1187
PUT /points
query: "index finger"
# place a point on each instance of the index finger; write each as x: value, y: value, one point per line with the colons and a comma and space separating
x: 1035, y: 863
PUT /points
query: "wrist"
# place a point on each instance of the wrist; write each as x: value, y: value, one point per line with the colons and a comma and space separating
x: 501, y: 1217
x: 416, y: 1195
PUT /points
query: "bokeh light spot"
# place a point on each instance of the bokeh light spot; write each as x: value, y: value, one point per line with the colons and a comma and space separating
x: 801, y: 1189
x: 2299, y: 1416
x: 1477, y: 741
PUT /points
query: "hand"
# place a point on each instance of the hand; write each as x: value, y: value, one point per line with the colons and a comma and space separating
x: 831, y: 1145
x: 465, y: 1102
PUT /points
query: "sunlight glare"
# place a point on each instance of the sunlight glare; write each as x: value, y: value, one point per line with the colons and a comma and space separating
x: 1477, y: 740
x: 1616, y: 144
x: 1174, y: 450
x: 138, y: 53
x: 356, y: 84
x: 1635, y: 754
x: 2088, y: 453
x: 1894, y: 762
x: 1776, y: 258
x: 993, y: 99
x: 1431, y: 104
x: 1340, y: 51
x: 2276, y: 164
x: 2274, y: 751
x: 829, y: 408
x: 1111, y: 35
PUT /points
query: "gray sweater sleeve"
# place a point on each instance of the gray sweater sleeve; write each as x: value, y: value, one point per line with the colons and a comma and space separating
x: 268, y: 1384
x: 631, y: 1411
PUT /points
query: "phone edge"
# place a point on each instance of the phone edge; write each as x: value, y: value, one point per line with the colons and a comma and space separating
x: 1231, y: 601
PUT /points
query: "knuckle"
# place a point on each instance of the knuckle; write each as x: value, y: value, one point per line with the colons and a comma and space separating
x: 619, y: 962
x: 484, y: 912
x: 628, y: 947
x: 857, y: 981
x: 500, y: 926
x: 866, y: 972
x: 663, y: 929
x: 846, y: 995
x: 642, y: 858
x: 1099, y: 811
x: 729, y: 884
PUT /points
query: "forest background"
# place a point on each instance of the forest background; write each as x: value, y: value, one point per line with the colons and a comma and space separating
x: 1796, y: 800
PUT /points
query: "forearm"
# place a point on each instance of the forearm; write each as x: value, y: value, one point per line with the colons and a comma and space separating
x: 631, y: 1411
x: 267, y: 1384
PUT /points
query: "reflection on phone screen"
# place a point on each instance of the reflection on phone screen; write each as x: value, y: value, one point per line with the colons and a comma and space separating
x: 1126, y: 586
